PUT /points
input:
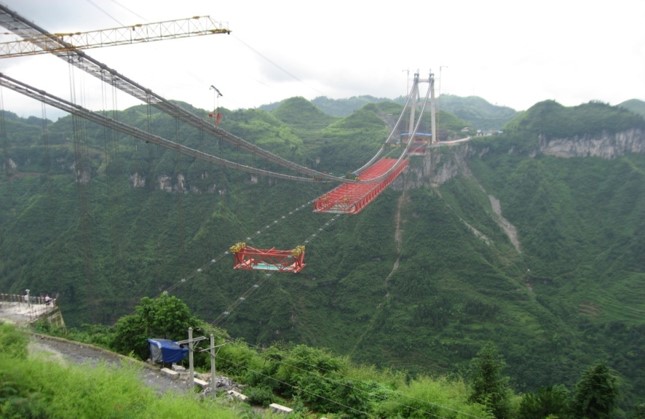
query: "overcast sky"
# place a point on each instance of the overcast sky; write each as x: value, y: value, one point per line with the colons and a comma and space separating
x: 511, y: 53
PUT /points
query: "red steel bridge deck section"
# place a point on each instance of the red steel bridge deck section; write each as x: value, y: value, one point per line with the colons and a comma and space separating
x: 352, y: 198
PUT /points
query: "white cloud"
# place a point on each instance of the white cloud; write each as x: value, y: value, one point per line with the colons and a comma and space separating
x: 508, y: 52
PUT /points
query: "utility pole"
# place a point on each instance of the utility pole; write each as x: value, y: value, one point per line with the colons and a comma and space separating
x: 191, y: 347
x: 212, y: 348
x: 213, y: 363
x: 191, y: 364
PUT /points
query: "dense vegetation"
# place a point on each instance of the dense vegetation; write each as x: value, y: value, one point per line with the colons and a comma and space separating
x: 553, y: 120
x: 39, y: 387
x: 314, y: 381
x: 477, y: 112
x: 573, y: 296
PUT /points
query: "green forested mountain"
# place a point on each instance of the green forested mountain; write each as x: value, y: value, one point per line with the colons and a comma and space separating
x: 532, y: 240
x: 634, y: 105
x: 479, y: 113
x: 475, y: 112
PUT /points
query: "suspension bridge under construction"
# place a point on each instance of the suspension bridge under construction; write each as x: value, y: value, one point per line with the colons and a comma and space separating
x: 354, y: 193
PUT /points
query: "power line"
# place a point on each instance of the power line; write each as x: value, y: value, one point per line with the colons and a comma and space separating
x: 137, y: 133
x: 304, y: 390
x: 273, y: 63
x: 30, y: 31
x: 93, y: 3
x: 129, y: 10
x: 225, y: 315
x: 346, y: 385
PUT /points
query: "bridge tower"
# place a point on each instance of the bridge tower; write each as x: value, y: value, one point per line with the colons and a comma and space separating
x: 414, y: 104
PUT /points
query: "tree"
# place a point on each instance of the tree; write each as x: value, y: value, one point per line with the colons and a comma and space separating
x: 596, y: 393
x: 164, y: 317
x: 553, y: 400
x: 488, y: 386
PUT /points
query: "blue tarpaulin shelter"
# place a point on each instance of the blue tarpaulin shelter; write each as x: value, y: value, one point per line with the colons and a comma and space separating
x: 166, y: 351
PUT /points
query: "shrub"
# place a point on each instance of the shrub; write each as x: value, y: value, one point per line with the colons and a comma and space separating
x: 13, y: 343
x: 259, y: 396
x: 547, y: 401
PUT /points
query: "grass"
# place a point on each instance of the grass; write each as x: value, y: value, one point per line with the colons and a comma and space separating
x: 40, y: 385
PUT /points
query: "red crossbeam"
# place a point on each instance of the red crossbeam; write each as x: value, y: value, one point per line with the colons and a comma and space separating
x: 351, y: 198
x: 249, y: 258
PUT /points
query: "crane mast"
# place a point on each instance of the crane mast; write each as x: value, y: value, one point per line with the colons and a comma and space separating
x: 122, y: 35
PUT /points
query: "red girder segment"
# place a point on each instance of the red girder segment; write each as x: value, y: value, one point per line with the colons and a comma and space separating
x: 249, y: 258
x: 351, y: 198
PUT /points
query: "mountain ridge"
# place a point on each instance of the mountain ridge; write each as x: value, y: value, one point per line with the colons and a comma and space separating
x: 460, y: 280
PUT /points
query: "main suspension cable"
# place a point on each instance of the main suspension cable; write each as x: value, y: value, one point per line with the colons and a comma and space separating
x: 137, y: 133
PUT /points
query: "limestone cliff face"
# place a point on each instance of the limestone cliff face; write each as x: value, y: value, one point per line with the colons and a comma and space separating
x: 444, y: 163
x: 606, y: 146
x: 438, y: 166
x: 137, y: 181
x: 177, y: 184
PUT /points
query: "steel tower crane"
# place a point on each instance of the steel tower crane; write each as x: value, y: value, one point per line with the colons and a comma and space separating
x: 122, y: 35
x: 26, y: 29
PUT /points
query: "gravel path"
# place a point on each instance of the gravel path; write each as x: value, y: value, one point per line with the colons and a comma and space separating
x: 78, y: 353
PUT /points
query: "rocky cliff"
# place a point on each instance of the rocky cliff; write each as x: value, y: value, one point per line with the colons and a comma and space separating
x: 603, y: 145
x: 441, y: 164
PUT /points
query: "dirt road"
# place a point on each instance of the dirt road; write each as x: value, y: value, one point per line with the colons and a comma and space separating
x: 68, y: 352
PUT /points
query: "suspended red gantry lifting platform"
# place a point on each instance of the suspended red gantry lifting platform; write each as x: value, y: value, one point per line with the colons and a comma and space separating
x: 352, y: 198
x: 249, y: 258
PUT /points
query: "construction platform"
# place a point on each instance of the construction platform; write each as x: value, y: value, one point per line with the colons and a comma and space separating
x: 24, y: 310
x: 352, y: 198
x: 249, y: 258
